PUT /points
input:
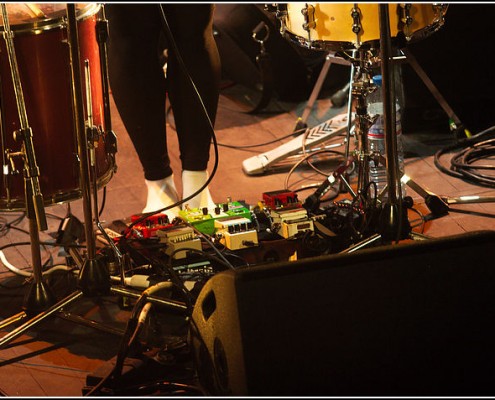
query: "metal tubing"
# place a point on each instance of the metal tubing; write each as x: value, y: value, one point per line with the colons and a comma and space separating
x: 38, y: 318
x: 171, y: 304
x: 388, y: 95
x: 90, y: 323
x: 82, y: 146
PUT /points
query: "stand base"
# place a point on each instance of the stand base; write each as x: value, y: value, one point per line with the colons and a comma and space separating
x: 94, y: 278
x: 393, y: 224
x: 38, y: 299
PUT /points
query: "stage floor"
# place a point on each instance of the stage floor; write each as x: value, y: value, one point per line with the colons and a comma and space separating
x: 55, y: 357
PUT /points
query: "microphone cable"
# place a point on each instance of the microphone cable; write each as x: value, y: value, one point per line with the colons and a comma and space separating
x: 465, y: 154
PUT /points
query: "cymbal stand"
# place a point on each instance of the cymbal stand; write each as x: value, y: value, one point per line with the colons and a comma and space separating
x: 394, y: 224
x: 39, y: 296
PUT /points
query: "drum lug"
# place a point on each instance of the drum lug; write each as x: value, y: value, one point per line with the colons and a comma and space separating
x: 309, y: 17
x: 406, y: 19
x: 356, y: 24
x: 281, y: 11
x: 10, y: 169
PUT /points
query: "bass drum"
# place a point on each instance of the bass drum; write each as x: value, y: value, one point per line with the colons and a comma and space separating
x: 43, y: 59
x: 334, y: 27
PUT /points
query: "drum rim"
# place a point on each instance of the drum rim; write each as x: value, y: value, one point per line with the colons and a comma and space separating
x: 335, y: 45
x: 60, y: 197
x: 38, y: 27
x: 319, y: 44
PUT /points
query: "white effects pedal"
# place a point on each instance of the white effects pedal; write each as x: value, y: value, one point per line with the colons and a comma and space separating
x: 260, y: 163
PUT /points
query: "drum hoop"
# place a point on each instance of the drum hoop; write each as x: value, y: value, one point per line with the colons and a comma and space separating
x: 39, y: 27
x: 317, y: 44
x: 61, y: 197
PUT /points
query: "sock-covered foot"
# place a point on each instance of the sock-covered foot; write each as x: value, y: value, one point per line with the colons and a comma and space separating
x: 191, y: 182
x: 162, y: 193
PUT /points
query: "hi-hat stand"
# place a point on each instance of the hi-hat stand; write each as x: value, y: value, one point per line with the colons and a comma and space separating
x: 392, y: 223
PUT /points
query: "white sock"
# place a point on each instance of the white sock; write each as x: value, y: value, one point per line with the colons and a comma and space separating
x: 191, y: 182
x: 162, y: 193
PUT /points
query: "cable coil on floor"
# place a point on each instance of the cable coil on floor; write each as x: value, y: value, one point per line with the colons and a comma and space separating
x: 470, y: 151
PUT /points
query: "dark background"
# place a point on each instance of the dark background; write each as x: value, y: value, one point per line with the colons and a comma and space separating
x: 458, y: 59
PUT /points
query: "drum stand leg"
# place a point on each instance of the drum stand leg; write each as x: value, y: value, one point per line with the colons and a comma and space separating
x: 329, y: 59
x: 455, y: 123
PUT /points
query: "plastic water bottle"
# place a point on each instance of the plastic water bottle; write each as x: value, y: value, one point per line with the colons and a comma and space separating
x: 376, y: 139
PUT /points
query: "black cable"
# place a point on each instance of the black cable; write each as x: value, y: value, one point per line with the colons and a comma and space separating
x: 421, y: 218
x: 469, y: 151
x: 231, y: 146
x: 103, y: 201
x: 305, y: 159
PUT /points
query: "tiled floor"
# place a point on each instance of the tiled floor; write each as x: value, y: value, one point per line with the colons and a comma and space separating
x: 55, y: 357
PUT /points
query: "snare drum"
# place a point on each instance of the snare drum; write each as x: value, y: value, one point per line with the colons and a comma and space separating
x: 334, y: 26
x: 43, y: 58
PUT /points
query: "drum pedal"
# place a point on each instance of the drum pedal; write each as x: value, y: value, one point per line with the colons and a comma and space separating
x: 261, y: 163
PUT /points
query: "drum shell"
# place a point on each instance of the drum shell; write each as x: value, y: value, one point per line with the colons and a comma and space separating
x: 334, y: 23
x: 43, y: 60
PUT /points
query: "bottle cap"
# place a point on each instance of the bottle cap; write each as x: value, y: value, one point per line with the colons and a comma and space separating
x: 377, y: 80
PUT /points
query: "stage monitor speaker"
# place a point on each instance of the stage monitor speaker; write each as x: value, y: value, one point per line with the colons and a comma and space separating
x: 398, y: 320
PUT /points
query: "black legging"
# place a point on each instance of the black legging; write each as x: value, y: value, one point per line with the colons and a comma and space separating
x: 135, y: 48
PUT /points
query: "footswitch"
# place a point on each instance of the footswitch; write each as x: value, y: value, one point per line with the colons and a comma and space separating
x: 149, y: 226
x: 179, y: 238
x: 288, y: 223
x: 236, y: 233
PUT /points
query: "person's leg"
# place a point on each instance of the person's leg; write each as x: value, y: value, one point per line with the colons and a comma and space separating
x: 138, y: 87
x: 192, y: 29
